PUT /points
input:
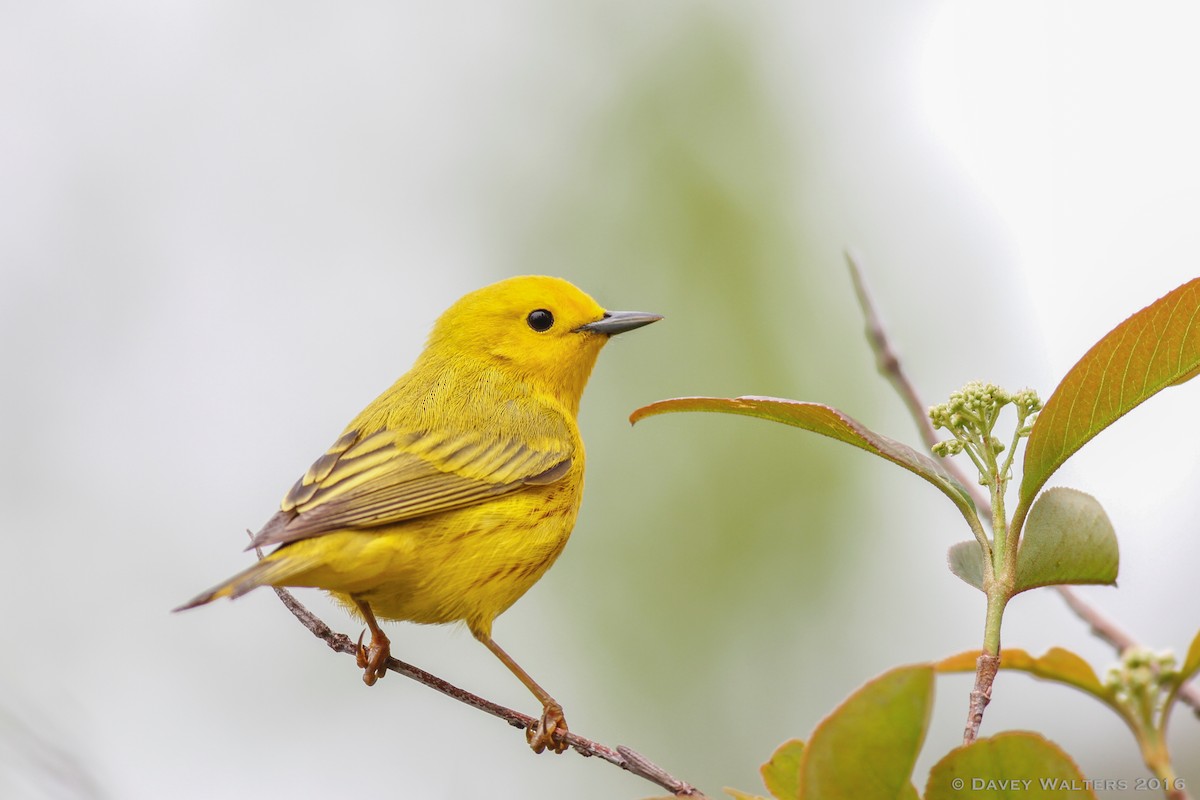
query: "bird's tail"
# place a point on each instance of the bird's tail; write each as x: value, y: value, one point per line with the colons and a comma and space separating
x: 270, y: 571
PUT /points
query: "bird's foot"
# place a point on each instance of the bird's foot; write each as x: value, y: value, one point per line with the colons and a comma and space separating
x: 373, y: 659
x: 550, y: 731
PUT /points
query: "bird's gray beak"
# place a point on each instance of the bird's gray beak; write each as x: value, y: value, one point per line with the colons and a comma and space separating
x: 614, y: 322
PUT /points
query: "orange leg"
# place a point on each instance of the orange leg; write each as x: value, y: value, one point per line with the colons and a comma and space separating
x: 373, y: 660
x: 542, y: 735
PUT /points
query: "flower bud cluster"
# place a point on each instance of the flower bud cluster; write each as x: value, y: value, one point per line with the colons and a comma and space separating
x: 970, y: 415
x: 1141, y: 676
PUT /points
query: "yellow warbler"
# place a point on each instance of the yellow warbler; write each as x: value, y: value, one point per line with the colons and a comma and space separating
x: 456, y: 489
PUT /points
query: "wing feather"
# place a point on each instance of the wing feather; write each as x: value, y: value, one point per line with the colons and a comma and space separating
x: 388, y: 477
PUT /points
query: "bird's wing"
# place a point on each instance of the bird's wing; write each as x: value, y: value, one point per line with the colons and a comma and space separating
x: 388, y: 477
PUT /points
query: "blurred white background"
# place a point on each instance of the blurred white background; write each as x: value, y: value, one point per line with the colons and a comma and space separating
x: 224, y: 227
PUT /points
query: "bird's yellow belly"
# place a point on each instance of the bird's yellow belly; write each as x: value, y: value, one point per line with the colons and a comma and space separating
x: 469, y: 564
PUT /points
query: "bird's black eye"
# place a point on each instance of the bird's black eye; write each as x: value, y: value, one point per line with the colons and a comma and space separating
x: 540, y: 320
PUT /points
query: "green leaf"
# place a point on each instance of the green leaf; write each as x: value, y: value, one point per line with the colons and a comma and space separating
x: 1191, y: 666
x: 781, y: 774
x: 966, y: 560
x: 1056, y: 664
x: 1068, y: 539
x: 826, y: 421
x: 1008, y: 766
x: 1157, y: 347
x: 867, y: 747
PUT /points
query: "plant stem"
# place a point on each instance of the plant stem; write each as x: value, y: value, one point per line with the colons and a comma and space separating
x: 1004, y: 546
x: 997, y: 600
x: 1172, y: 788
x: 1153, y: 745
x: 986, y: 668
x: 997, y: 583
x: 1006, y: 468
x: 988, y: 663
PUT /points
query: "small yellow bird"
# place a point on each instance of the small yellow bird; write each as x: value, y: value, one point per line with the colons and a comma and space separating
x: 456, y: 489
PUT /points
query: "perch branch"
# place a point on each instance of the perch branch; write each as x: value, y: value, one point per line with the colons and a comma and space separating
x: 622, y: 756
x: 890, y: 367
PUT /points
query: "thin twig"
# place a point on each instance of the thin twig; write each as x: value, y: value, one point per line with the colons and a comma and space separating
x: 889, y: 366
x: 886, y: 360
x: 623, y: 757
x: 1112, y: 633
x: 1101, y: 626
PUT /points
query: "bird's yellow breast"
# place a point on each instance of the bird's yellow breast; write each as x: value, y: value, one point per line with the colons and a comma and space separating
x: 468, y: 564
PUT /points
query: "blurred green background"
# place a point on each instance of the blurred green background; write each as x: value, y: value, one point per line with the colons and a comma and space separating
x: 227, y: 226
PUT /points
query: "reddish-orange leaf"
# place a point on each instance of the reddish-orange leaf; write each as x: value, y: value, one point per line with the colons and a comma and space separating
x: 1056, y: 664
x: 1157, y: 347
x: 826, y: 421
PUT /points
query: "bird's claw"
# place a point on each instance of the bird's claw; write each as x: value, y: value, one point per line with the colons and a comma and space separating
x: 542, y: 734
x: 373, y: 659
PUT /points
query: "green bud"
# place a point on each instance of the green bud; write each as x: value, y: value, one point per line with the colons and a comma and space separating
x: 1027, y: 401
x: 950, y: 447
x: 939, y: 416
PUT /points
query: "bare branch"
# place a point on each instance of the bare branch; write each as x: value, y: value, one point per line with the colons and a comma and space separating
x: 622, y: 756
x: 886, y: 360
x: 1112, y: 633
x: 1101, y: 626
x: 890, y: 367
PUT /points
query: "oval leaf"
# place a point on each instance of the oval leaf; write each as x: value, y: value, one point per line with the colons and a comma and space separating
x: 966, y: 560
x: 826, y: 421
x: 867, y: 747
x: 781, y: 775
x: 1056, y: 664
x: 1068, y: 539
x: 1007, y: 766
x: 1157, y: 347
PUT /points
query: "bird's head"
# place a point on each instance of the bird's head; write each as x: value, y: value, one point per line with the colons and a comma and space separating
x: 542, y: 330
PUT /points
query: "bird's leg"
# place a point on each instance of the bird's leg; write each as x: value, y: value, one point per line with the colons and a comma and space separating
x: 373, y: 660
x: 542, y: 735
